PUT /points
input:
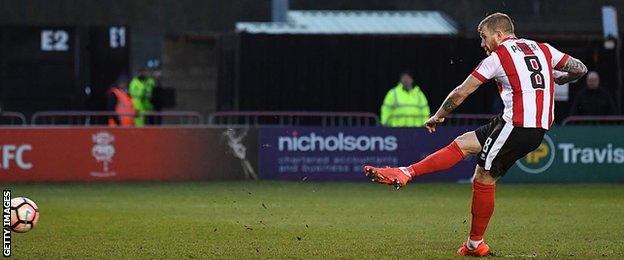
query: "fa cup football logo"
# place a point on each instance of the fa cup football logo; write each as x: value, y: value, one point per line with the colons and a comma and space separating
x: 235, y: 142
x: 103, y: 151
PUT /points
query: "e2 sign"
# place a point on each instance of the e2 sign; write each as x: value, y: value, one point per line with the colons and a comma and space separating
x: 54, y: 40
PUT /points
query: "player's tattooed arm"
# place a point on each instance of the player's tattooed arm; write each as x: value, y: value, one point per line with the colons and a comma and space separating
x: 452, y: 101
x: 575, y: 70
x: 457, y: 96
x: 449, y: 105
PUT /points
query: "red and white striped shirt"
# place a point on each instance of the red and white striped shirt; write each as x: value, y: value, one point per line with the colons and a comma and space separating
x: 523, y: 70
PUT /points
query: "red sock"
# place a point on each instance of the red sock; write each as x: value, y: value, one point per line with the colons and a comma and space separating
x: 440, y: 160
x: 482, y: 208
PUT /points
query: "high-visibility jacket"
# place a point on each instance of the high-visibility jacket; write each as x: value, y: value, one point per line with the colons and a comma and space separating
x: 124, y: 107
x: 141, y: 92
x: 403, y: 108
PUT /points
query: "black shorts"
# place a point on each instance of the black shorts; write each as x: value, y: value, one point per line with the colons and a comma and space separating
x: 502, y: 144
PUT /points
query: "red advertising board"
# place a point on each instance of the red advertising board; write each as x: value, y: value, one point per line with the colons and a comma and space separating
x: 120, y: 154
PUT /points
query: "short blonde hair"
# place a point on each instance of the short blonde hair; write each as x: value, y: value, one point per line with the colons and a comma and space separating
x: 497, y: 22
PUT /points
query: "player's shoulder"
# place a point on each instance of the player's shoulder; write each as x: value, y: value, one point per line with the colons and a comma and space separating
x: 493, y: 57
x: 491, y: 62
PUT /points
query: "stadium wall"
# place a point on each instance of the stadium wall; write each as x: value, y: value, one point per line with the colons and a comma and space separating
x: 568, y: 154
x: 116, y: 154
x: 574, y: 154
x: 337, y: 154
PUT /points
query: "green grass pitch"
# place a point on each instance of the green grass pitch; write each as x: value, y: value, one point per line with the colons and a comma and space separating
x: 245, y: 220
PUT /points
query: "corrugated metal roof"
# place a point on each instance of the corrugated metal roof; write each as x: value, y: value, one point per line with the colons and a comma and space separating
x: 355, y: 22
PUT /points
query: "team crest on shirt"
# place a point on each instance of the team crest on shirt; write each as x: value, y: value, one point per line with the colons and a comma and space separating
x: 540, y: 159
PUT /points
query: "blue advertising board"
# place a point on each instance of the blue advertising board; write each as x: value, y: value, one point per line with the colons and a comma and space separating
x: 316, y: 153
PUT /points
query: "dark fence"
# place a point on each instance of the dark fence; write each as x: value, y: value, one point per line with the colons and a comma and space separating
x: 293, y: 118
x: 594, y: 120
x: 12, y: 118
x: 95, y: 118
x: 257, y: 118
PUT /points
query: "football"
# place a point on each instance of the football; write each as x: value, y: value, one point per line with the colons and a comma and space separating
x: 24, y: 214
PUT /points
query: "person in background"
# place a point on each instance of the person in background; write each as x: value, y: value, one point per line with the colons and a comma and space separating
x: 405, y: 105
x: 141, y: 90
x: 156, y: 100
x: 593, y: 99
x: 119, y: 100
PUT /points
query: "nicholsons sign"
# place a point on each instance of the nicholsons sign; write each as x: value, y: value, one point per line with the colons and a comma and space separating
x: 314, y: 153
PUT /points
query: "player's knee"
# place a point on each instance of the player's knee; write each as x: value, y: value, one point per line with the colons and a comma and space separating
x: 484, y: 177
x: 468, y: 143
